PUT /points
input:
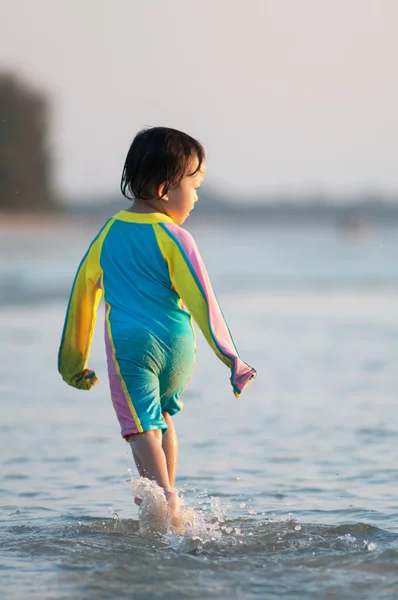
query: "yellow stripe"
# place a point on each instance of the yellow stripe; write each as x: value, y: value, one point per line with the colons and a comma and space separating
x: 93, y: 269
x: 97, y: 300
x: 148, y: 218
x: 94, y: 264
x: 163, y: 240
x: 188, y: 289
x: 119, y: 374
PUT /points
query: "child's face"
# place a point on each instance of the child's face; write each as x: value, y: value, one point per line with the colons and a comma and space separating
x: 179, y: 201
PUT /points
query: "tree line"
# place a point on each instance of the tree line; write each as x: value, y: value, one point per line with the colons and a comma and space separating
x: 25, y: 156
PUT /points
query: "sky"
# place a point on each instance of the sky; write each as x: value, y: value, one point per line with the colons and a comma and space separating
x: 287, y: 96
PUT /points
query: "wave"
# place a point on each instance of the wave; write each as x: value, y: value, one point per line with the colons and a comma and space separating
x: 211, y: 536
x: 222, y: 555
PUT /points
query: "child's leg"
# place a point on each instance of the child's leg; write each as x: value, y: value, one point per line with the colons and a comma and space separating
x: 150, y: 457
x: 151, y: 462
x: 170, y: 448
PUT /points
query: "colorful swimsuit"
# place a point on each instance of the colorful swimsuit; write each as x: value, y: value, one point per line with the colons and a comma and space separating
x: 153, y: 280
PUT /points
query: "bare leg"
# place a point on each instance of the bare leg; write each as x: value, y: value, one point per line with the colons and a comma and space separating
x: 170, y: 448
x: 150, y: 457
x: 137, y: 499
x: 138, y: 464
x: 151, y: 462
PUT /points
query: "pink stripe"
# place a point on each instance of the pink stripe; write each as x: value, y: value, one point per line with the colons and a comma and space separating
x: 119, y: 399
x: 242, y: 372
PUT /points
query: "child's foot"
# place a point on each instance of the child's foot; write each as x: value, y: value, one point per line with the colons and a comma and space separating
x: 179, y: 519
x: 184, y: 520
x: 173, y: 504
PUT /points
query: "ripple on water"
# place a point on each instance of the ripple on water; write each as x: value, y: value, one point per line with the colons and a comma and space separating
x: 16, y: 476
x: 250, y: 553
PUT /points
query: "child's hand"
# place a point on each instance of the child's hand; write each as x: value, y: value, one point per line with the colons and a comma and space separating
x: 243, y: 381
x: 90, y: 379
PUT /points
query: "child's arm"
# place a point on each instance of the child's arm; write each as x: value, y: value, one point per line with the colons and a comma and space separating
x: 191, y: 282
x: 79, y: 326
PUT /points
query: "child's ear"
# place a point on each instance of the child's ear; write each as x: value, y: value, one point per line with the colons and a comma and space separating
x: 161, y: 194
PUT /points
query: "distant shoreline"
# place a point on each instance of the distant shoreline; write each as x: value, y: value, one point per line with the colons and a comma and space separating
x: 37, y: 220
x: 345, y: 217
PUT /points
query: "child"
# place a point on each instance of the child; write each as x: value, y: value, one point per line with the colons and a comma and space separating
x: 153, y: 280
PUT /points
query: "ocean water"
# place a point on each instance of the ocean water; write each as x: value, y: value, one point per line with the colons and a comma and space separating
x: 294, y: 486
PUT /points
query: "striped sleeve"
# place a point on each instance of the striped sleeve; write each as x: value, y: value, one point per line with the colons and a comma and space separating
x: 190, y: 280
x: 81, y: 316
x: 79, y: 326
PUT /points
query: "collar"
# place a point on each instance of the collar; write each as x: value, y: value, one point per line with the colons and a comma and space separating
x: 148, y: 218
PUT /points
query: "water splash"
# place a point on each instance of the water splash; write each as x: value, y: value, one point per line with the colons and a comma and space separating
x: 370, y: 546
x: 198, y: 526
x: 348, y: 539
x: 207, y: 525
x: 153, y: 513
x: 117, y: 522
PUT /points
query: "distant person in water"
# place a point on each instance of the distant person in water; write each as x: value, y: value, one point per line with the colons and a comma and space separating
x: 154, y: 282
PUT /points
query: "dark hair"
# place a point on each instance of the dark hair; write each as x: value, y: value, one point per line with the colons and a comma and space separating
x: 158, y: 155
